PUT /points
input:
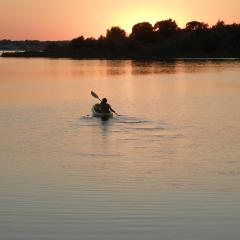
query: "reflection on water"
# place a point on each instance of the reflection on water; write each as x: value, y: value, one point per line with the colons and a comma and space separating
x: 153, y: 67
x: 167, y: 168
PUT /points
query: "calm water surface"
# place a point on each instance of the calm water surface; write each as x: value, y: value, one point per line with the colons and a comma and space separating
x: 168, y: 168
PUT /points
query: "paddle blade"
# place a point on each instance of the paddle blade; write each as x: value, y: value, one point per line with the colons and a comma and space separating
x: 94, y: 94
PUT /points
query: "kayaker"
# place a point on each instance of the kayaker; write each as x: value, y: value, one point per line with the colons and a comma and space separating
x: 105, y: 107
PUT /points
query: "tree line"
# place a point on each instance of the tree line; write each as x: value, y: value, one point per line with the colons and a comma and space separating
x: 164, y: 39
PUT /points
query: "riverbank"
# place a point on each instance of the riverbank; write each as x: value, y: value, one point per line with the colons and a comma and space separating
x: 37, y: 54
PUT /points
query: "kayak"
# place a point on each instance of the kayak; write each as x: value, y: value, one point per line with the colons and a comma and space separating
x: 96, y: 112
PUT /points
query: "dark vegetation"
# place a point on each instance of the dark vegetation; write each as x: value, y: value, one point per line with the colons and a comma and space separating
x: 163, y: 40
x: 27, y: 45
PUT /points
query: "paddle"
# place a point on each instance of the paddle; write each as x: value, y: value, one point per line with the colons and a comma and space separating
x: 96, y: 96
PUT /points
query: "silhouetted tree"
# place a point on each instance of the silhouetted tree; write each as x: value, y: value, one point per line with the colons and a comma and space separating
x: 165, y: 28
x: 116, y: 34
x: 90, y: 43
x: 77, y: 43
x: 195, y: 25
x: 101, y: 38
x: 219, y: 24
x: 116, y: 37
x: 143, y: 32
x: 101, y: 43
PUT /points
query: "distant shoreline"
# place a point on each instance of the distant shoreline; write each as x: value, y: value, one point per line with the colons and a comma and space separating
x: 162, y: 41
x: 35, y: 54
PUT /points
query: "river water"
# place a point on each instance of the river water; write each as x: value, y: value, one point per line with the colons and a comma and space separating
x: 167, y: 168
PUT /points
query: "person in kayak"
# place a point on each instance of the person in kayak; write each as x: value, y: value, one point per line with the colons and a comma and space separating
x: 105, y: 107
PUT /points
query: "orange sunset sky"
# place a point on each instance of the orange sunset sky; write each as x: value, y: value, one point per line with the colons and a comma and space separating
x: 67, y: 19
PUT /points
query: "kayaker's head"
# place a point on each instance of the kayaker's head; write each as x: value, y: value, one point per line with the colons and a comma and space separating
x: 104, y: 100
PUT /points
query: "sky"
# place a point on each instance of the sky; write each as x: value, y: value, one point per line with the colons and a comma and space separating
x: 68, y: 19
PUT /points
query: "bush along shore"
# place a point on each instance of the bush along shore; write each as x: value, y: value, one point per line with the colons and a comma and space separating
x: 163, y: 40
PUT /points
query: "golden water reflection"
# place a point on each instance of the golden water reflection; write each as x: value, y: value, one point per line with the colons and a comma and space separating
x: 171, y: 161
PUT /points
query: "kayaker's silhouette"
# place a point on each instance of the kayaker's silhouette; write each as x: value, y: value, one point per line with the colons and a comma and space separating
x: 105, y: 107
x: 102, y: 109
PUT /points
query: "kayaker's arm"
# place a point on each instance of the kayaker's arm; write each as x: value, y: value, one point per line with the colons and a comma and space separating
x: 113, y: 111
